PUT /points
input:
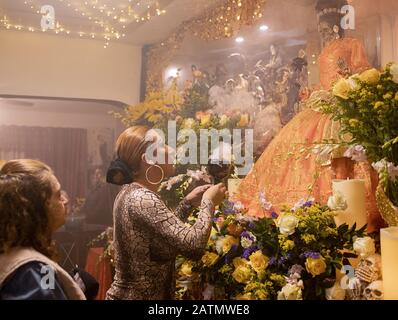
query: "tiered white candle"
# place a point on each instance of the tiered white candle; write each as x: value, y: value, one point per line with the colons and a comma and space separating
x: 354, y: 193
x: 233, y: 185
x: 389, y: 262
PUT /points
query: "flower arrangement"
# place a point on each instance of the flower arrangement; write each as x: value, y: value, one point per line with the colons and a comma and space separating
x: 367, y: 108
x: 189, y: 109
x: 157, y: 107
x: 292, y: 255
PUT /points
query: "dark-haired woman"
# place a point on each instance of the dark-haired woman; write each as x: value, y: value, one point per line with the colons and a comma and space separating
x: 31, y: 210
x: 148, y: 235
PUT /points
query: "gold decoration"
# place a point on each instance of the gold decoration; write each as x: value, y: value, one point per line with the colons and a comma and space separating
x: 387, y: 209
x: 223, y: 21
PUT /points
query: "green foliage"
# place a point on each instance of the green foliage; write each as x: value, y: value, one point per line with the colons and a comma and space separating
x: 253, y: 259
x: 369, y: 115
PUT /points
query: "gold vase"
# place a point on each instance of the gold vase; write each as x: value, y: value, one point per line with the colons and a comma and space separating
x: 388, y: 211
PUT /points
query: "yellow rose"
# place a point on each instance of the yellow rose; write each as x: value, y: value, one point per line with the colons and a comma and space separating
x: 228, y: 242
x: 209, y: 259
x: 242, y: 274
x: 186, y: 269
x: 341, y: 89
x: 240, y: 262
x: 259, y: 262
x: 371, y: 76
x: 394, y: 72
x: 315, y: 266
x: 244, y: 120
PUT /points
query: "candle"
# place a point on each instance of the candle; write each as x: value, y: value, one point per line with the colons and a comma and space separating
x: 233, y: 185
x: 354, y: 193
x: 389, y: 262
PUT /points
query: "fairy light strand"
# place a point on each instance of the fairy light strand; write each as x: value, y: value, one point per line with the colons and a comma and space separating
x: 112, y: 22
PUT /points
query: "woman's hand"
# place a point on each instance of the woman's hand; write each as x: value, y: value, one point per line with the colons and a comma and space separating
x: 216, y: 193
x: 195, y: 196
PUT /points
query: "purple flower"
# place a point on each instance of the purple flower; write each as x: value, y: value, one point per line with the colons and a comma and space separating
x: 282, y: 261
x: 308, y: 204
x: 274, y: 215
x: 313, y: 255
x: 267, y: 205
x: 228, y: 211
x: 229, y: 207
x: 246, y: 254
x: 247, y: 235
x: 228, y: 203
x: 227, y: 259
x: 272, y: 261
x: 251, y: 225
x: 302, y: 203
x: 231, y: 253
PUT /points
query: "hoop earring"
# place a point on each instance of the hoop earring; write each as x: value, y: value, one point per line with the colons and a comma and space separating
x: 157, y: 182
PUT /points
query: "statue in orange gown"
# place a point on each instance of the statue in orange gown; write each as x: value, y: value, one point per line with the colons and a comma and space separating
x: 288, y: 170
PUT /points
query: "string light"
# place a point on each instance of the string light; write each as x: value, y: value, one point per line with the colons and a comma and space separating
x: 112, y: 20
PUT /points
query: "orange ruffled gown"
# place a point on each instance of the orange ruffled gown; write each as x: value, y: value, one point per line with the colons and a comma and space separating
x: 288, y: 170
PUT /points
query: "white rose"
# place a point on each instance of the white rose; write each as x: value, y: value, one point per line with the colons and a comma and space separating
x: 335, y: 293
x: 287, y: 224
x: 290, y: 292
x: 337, y: 202
x: 364, y: 246
x: 394, y: 72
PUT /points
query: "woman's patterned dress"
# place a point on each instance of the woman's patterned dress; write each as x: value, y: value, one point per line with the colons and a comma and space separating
x: 147, y: 238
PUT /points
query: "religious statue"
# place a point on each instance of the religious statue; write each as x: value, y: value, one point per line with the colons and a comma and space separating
x: 275, y: 60
x: 287, y: 170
